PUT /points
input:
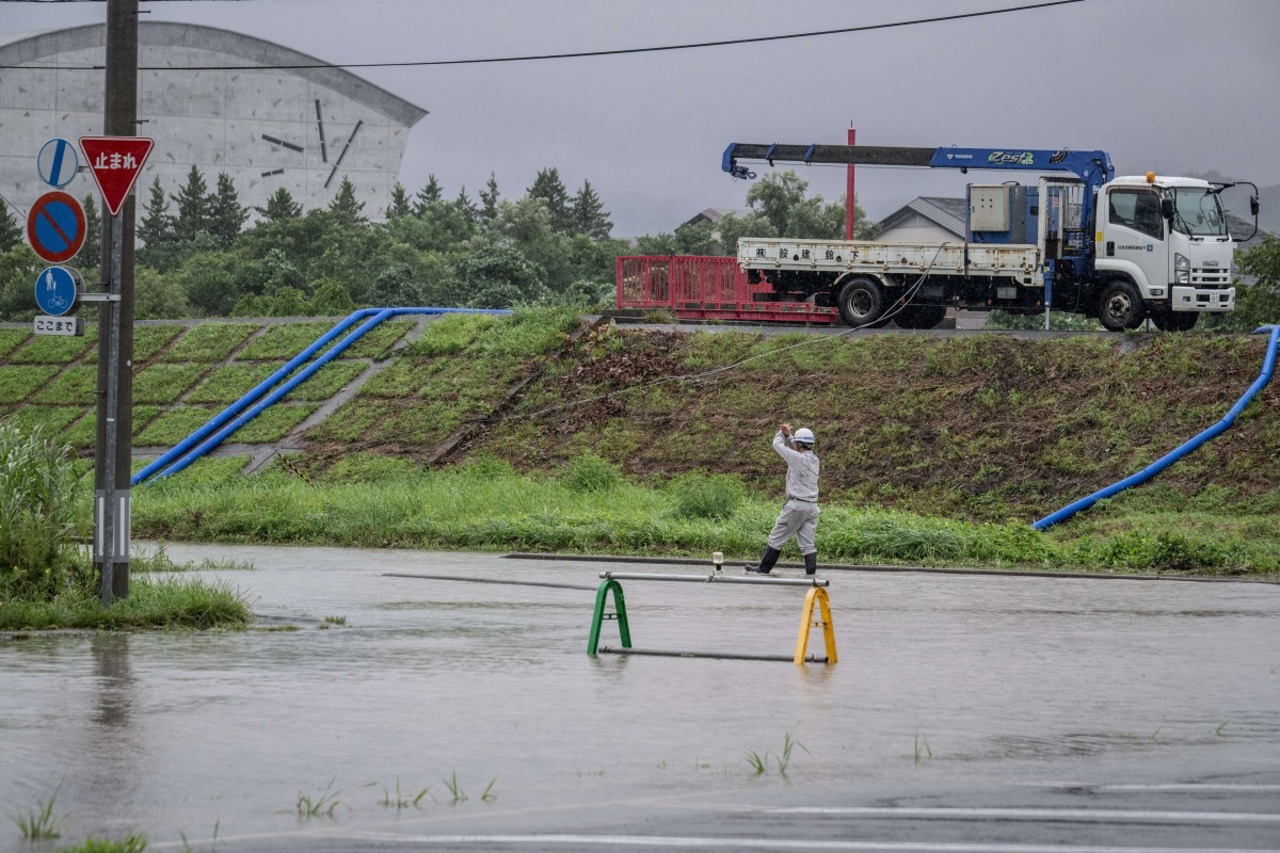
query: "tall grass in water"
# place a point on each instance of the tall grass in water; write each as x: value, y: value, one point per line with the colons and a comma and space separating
x: 46, y: 577
x: 39, y: 490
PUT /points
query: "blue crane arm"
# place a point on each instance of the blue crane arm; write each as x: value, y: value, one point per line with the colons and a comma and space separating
x: 1092, y: 167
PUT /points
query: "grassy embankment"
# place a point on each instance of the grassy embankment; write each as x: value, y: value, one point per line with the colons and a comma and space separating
x: 939, y: 452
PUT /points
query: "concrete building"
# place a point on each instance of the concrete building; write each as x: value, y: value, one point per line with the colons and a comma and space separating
x: 266, y: 115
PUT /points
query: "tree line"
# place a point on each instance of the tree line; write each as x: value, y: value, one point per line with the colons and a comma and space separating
x: 201, y: 253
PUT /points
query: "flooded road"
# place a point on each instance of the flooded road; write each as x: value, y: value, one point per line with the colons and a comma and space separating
x: 966, y: 713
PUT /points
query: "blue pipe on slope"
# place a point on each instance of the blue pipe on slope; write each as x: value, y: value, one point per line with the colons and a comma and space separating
x: 230, y: 420
x: 1268, y: 365
x: 241, y: 404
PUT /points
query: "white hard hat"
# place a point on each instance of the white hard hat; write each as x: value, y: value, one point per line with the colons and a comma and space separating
x: 803, y: 435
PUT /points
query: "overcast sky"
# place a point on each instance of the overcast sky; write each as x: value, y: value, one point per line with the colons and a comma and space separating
x: 1178, y: 86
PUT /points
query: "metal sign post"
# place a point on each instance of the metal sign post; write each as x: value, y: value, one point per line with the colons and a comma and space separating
x: 115, y: 176
x: 111, y: 510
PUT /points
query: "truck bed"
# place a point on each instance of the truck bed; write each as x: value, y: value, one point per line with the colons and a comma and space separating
x: 1014, y: 261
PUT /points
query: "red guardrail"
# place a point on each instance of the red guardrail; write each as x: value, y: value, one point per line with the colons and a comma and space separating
x: 705, y: 288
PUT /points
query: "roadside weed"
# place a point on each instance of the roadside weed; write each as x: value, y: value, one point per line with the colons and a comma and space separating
x: 131, y: 843
x: 455, y: 790
x: 759, y: 764
x: 923, y: 751
x: 41, y: 824
x: 324, y: 805
x: 402, y: 800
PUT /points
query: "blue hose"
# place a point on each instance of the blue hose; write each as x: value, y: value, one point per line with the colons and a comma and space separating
x: 1268, y: 364
x: 242, y: 411
x: 241, y: 404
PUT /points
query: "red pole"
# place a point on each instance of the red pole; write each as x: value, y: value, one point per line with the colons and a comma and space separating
x: 849, y: 196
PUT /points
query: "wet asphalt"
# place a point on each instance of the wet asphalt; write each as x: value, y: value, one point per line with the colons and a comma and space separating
x: 418, y: 700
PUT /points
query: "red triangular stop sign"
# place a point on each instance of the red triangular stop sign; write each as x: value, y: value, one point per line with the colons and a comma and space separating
x: 115, y: 162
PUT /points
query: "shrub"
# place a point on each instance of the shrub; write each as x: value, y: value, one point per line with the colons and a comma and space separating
x: 589, y: 473
x: 39, y: 558
x: 698, y: 495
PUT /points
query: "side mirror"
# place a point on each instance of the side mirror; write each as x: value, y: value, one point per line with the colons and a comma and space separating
x: 1166, y: 208
x: 1253, y: 205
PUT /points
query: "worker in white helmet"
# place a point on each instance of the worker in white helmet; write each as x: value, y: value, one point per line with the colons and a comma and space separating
x: 799, y: 516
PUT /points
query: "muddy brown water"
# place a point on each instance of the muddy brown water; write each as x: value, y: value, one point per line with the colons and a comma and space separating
x: 949, y: 689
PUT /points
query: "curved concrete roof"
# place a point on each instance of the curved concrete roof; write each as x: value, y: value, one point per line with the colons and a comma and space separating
x: 29, y: 49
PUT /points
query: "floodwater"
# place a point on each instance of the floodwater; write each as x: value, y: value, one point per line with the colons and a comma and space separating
x: 962, y: 708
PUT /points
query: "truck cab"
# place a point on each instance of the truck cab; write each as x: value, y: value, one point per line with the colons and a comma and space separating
x: 1162, y: 251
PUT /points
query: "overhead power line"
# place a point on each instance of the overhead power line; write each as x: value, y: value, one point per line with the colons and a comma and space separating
x: 586, y: 54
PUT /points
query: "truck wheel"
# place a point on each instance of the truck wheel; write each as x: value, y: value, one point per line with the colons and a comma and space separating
x: 861, y: 302
x: 920, y: 316
x: 1175, y: 321
x: 1120, y: 307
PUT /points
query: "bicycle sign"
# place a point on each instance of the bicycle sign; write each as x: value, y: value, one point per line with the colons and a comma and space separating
x: 57, y: 289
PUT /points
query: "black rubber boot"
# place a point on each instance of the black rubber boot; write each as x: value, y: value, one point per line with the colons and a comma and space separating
x: 811, y: 563
x: 766, y: 562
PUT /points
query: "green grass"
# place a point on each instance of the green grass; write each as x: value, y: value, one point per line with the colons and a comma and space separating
x: 273, y: 423
x: 165, y: 383
x: 83, y: 432
x: 404, y: 377
x: 149, y: 340
x: 940, y: 451
x: 323, y: 805
x: 230, y: 382
x: 40, y: 823
x: 175, y: 424
x: 350, y: 422
x: 57, y: 349
x: 10, y: 339
x: 210, y: 342
x: 76, y: 385
x: 53, y: 418
x: 282, y: 341
x: 327, y: 381
x: 160, y: 601
x: 378, y: 342
x: 17, y: 382
x: 130, y: 843
x: 488, y: 506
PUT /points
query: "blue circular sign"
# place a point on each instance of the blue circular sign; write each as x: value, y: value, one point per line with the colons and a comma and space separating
x: 56, y: 227
x: 57, y: 289
x: 57, y: 162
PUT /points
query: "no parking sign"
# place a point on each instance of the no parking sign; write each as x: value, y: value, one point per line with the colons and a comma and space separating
x: 56, y: 227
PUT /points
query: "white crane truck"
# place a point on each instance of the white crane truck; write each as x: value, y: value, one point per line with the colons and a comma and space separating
x: 1119, y: 249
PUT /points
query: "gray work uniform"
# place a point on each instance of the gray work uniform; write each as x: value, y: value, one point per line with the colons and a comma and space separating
x: 799, y: 516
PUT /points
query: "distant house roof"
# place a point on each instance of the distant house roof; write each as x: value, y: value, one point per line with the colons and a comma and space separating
x: 946, y: 213
x: 712, y: 215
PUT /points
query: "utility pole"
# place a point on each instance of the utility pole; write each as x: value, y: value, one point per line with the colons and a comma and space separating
x: 850, y: 199
x: 114, y: 450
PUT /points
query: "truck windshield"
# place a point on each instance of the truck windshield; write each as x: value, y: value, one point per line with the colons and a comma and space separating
x: 1197, y: 212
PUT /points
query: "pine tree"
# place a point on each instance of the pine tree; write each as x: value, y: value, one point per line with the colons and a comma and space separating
x: 280, y: 206
x: 548, y: 187
x: 588, y: 214
x: 194, y: 207
x: 427, y: 196
x: 489, y: 202
x: 91, y: 252
x: 344, y: 205
x: 10, y: 232
x: 400, y: 206
x: 226, y: 215
x: 155, y: 231
x: 466, y: 206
